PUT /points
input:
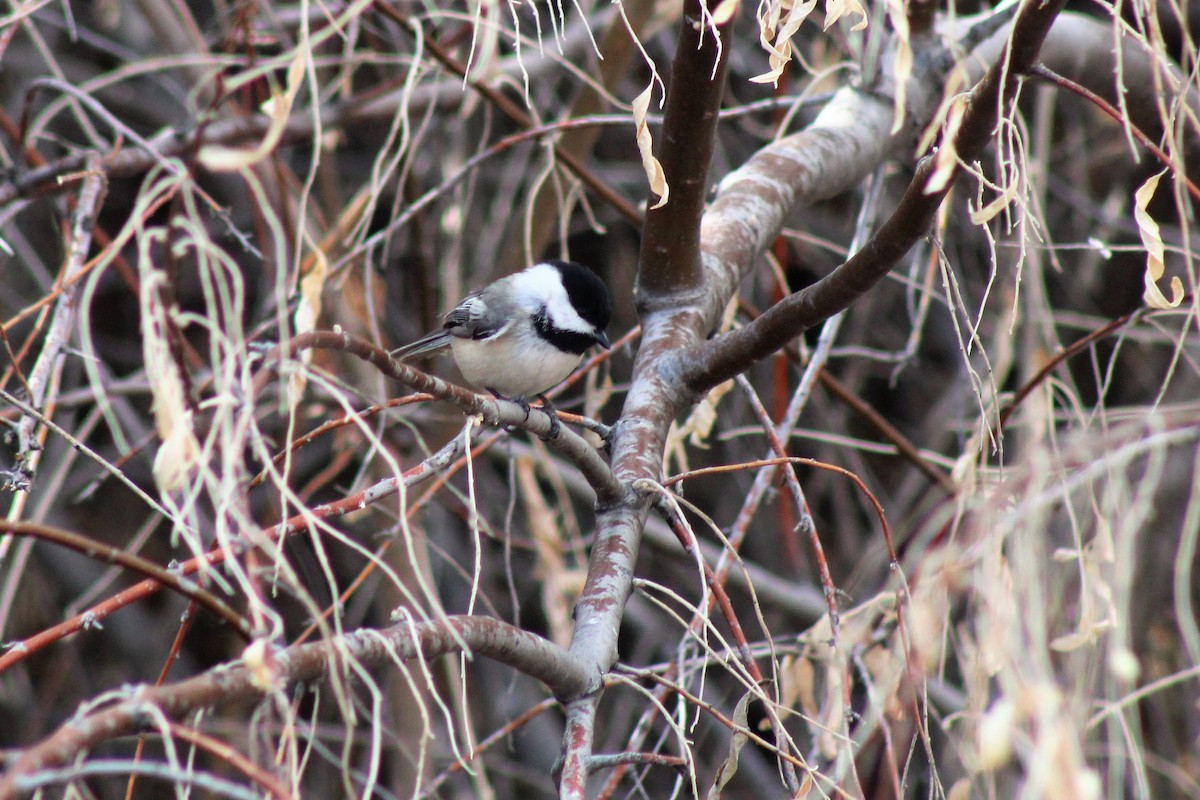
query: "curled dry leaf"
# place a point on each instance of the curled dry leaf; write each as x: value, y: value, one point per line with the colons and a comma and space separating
x: 180, y: 449
x: 645, y: 144
x: 738, y: 740
x: 836, y: 9
x: 1155, y: 253
x: 776, y: 40
x: 308, y: 311
x: 903, y: 63
x: 219, y: 158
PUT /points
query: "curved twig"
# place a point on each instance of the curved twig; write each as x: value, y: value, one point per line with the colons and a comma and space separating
x: 173, y: 580
x: 565, y: 675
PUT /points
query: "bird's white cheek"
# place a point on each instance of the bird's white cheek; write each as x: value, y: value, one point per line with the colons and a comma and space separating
x: 513, y: 366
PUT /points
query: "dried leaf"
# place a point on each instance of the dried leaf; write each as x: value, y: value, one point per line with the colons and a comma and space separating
x: 903, y: 63
x: 1155, y: 253
x: 218, y: 158
x: 777, y: 41
x: 724, y: 11
x: 946, y: 159
x: 654, y: 171
x: 736, y: 743
x: 308, y: 312
x: 984, y: 215
x: 955, y: 82
x: 836, y: 9
x: 180, y: 450
x: 996, y: 731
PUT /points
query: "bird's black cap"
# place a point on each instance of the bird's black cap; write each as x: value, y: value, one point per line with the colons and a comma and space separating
x: 587, y: 293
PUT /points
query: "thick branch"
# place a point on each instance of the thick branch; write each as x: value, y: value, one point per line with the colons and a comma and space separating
x: 718, y: 360
x: 670, y: 257
x: 669, y: 270
x: 670, y: 246
x: 565, y: 676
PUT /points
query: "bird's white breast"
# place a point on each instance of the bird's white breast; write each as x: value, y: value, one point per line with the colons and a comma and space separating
x: 517, y: 363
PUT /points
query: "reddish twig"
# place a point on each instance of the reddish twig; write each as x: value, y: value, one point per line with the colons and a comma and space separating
x: 20, y: 650
x: 721, y: 597
x: 1068, y: 352
x: 185, y: 625
x: 1044, y: 72
x: 334, y: 424
x: 806, y: 524
x: 228, y: 755
x: 889, y: 432
x: 486, y: 744
x: 153, y: 572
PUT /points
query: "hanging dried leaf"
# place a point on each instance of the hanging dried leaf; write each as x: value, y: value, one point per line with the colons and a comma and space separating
x: 645, y: 144
x: 836, y: 9
x: 180, y: 449
x: 955, y: 81
x: 903, y: 62
x: 219, y: 158
x: 1155, y: 253
x: 946, y: 159
x: 726, y: 770
x: 305, y: 319
x: 777, y: 41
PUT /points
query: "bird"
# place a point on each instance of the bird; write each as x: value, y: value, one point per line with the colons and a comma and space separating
x: 524, y: 333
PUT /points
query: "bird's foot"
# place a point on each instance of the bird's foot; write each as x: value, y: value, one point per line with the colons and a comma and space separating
x: 520, y: 401
x: 550, y: 411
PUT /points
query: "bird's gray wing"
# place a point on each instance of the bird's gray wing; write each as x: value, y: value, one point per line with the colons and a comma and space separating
x: 481, y: 315
x: 474, y: 318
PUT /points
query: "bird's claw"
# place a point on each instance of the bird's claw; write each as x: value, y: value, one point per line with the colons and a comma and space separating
x: 549, y: 410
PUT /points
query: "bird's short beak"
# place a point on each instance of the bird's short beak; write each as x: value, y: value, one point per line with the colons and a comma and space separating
x: 602, y: 340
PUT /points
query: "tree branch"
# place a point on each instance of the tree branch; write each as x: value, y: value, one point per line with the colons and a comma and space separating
x: 565, y: 675
x: 99, y: 551
x: 502, y: 413
x: 718, y: 360
x: 670, y: 256
x: 669, y: 271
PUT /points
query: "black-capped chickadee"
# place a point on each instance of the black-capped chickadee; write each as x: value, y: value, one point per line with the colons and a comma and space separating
x: 522, y: 334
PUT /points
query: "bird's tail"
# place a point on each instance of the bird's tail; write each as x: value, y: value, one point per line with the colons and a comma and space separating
x: 432, y: 342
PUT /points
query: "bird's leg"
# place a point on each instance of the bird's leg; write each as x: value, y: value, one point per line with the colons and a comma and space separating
x: 550, y: 411
x: 521, y: 401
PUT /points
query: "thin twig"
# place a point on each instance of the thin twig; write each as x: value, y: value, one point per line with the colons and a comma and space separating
x: 134, y: 563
